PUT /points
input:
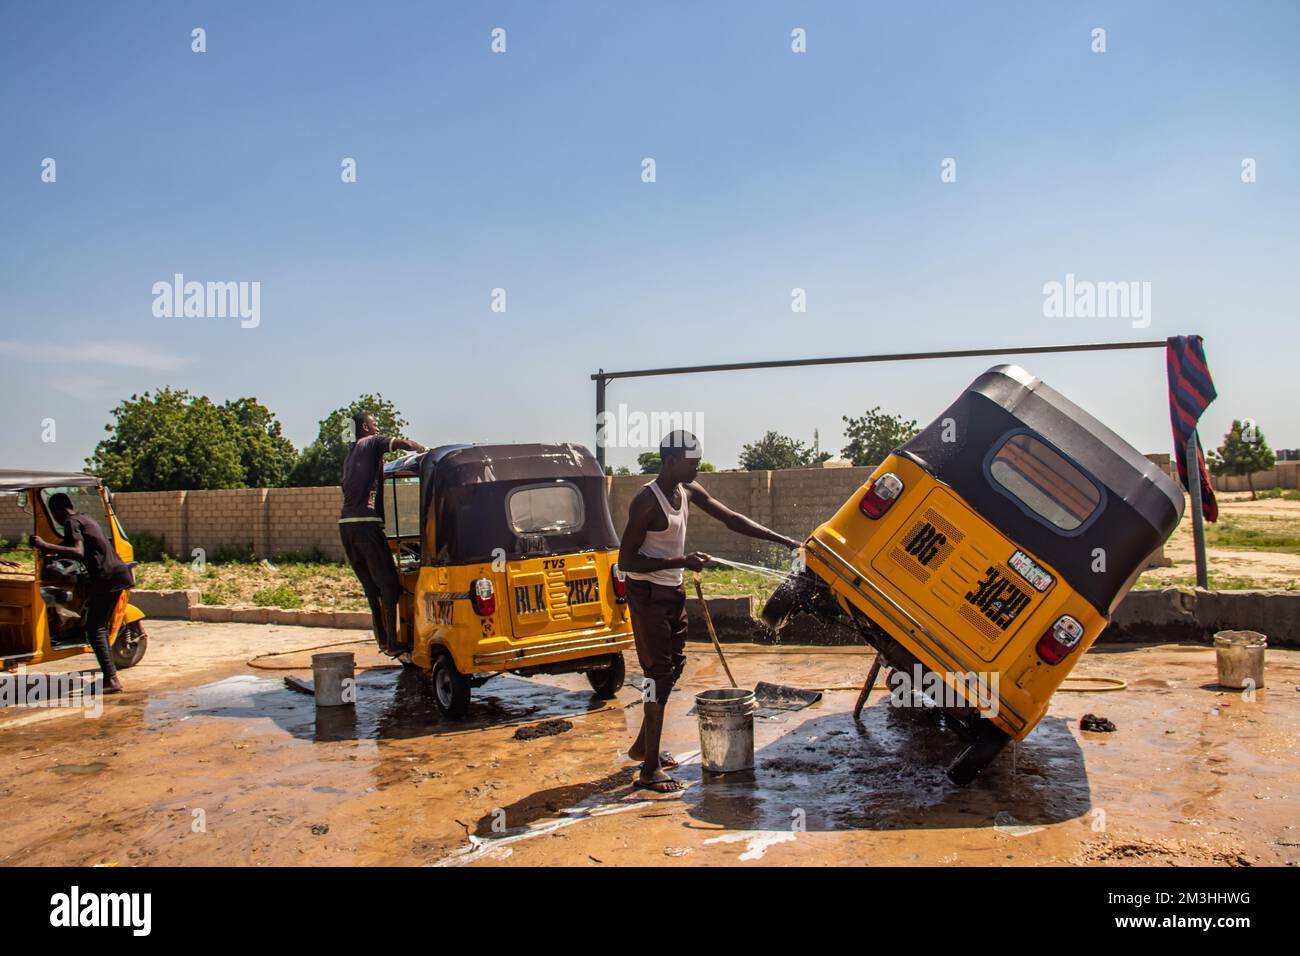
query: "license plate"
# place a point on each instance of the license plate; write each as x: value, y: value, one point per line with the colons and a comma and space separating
x: 1024, y: 566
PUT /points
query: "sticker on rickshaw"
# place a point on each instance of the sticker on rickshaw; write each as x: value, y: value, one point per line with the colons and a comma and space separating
x: 583, y: 591
x: 530, y: 599
x: 1024, y: 566
x: 998, y: 598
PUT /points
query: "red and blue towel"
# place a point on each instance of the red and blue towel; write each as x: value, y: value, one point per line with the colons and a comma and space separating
x: 1190, y: 392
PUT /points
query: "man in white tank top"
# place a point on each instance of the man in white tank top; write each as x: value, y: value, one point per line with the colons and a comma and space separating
x: 652, y: 557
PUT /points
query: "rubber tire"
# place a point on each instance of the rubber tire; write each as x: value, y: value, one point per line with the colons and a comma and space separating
x: 130, y: 646
x: 977, y: 755
x: 449, y: 686
x: 792, y: 595
x: 607, y: 681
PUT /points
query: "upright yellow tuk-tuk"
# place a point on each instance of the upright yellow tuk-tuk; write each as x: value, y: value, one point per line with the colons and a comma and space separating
x: 507, y: 558
x: 42, y: 605
x: 987, y: 554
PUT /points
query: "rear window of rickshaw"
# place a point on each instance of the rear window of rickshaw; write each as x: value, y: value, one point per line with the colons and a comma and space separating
x: 551, y: 508
x: 1045, y: 482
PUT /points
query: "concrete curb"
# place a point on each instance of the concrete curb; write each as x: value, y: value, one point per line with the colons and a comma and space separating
x: 732, y: 616
x: 1168, y: 616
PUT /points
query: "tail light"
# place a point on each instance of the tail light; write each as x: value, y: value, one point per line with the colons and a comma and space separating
x: 484, y: 597
x: 1056, y: 644
x: 620, y: 585
x: 881, y: 494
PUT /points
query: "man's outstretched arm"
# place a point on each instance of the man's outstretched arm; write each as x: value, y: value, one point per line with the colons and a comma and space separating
x: 734, y: 520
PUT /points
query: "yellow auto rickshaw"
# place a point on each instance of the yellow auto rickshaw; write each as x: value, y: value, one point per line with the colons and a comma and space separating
x: 42, y: 606
x: 507, y: 558
x: 987, y: 554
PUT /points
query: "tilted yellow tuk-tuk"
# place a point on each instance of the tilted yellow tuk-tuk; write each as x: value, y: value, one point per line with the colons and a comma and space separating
x: 42, y: 606
x: 507, y: 558
x: 989, y: 552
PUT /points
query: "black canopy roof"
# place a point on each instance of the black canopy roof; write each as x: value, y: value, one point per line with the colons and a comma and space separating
x: 469, y: 486
x: 474, y: 464
x: 1140, y: 508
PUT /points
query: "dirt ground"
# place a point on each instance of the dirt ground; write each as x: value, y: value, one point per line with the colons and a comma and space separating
x: 208, y: 761
x: 1235, y: 567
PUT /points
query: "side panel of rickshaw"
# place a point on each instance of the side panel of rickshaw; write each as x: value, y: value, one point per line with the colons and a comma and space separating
x: 941, y: 583
x: 25, y: 636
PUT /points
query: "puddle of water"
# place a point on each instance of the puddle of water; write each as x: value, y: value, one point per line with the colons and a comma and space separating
x: 78, y: 769
x: 392, y: 703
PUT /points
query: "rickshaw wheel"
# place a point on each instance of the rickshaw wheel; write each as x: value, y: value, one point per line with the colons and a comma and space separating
x: 450, y: 687
x: 607, y: 681
x: 129, y: 646
x: 984, y: 748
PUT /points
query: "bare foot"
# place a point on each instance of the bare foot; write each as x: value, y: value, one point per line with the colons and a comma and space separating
x: 659, y: 783
x: 666, y: 760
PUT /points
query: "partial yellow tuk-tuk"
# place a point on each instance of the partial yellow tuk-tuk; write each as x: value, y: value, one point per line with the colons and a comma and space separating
x: 42, y: 605
x: 987, y: 554
x: 507, y: 557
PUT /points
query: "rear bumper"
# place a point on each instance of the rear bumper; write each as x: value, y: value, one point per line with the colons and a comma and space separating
x: 885, y: 612
x: 556, y: 648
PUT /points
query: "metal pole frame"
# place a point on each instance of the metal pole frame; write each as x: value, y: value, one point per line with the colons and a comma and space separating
x: 602, y: 378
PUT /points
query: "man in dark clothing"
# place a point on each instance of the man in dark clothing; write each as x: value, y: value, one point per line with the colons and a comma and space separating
x: 107, y: 576
x: 362, y: 530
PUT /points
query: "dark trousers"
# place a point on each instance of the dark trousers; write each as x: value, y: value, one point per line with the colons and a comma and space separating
x: 659, y: 627
x: 366, y: 547
x: 99, y: 617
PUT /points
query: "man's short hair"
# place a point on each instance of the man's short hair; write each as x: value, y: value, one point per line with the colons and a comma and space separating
x: 358, y: 420
x: 59, y: 502
x: 680, y: 443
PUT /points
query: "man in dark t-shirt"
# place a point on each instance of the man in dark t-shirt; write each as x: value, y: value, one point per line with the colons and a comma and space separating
x: 362, y: 530
x: 107, y: 577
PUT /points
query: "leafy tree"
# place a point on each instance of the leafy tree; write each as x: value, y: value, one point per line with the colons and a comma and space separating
x: 268, y: 457
x: 873, y: 436
x: 649, y: 462
x: 168, y: 441
x: 775, y: 451
x: 706, y: 466
x: 321, y: 462
x: 1243, y: 452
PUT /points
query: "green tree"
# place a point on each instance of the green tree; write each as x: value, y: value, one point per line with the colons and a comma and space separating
x: 775, y: 451
x: 267, y: 456
x: 1243, y: 452
x: 649, y: 462
x: 873, y: 436
x: 321, y: 462
x: 169, y: 441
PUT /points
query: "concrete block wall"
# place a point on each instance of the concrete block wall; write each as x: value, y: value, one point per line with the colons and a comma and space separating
x: 792, y: 502
x: 277, y: 520
x: 1285, y: 474
x: 14, y: 522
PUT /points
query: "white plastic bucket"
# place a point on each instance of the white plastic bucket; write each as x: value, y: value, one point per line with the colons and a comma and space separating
x: 332, y: 675
x: 726, y: 720
x: 1240, y: 656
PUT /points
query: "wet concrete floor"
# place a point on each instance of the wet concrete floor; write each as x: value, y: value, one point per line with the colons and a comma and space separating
x: 206, y: 760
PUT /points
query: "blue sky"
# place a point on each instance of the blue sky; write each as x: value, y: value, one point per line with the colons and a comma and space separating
x: 522, y: 171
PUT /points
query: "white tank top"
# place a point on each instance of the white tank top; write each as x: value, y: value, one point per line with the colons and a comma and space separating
x: 669, y: 543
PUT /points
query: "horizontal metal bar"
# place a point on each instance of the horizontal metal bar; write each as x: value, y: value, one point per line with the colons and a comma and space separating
x: 895, y: 357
